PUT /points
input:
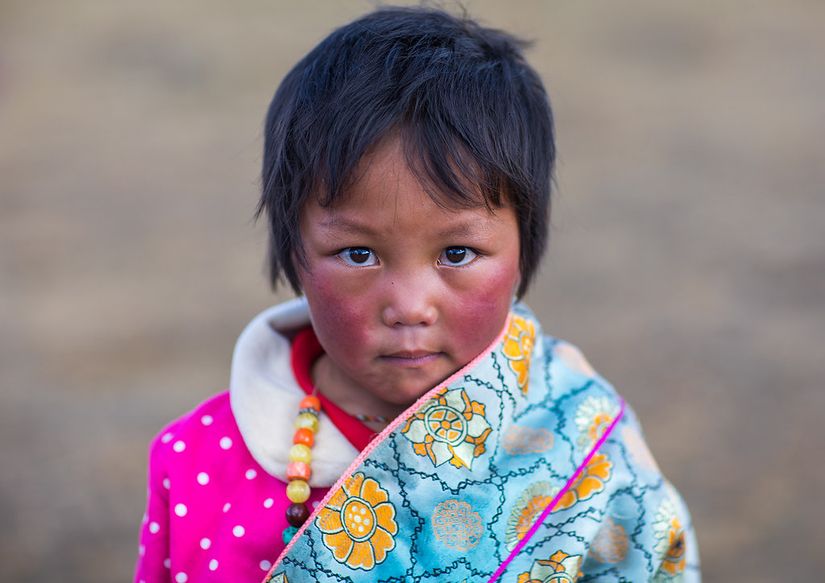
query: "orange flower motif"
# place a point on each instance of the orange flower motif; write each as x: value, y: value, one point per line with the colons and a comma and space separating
x: 670, y: 543
x: 518, y: 347
x: 450, y: 428
x: 526, y: 510
x: 358, y: 523
x: 559, y: 568
x: 593, y: 417
x: 589, y: 483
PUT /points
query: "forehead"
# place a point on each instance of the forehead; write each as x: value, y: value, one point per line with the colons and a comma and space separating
x: 384, y: 194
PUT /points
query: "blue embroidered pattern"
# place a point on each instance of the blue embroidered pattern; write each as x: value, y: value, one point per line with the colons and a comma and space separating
x: 454, y: 489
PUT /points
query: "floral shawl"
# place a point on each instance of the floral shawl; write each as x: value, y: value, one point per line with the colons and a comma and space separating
x: 524, y: 466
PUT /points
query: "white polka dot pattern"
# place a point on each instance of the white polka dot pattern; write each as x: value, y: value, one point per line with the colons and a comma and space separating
x: 204, y: 504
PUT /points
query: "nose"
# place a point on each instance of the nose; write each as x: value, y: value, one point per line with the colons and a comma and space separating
x: 410, y: 302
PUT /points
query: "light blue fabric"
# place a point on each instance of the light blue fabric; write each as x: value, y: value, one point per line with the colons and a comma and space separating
x: 450, y: 493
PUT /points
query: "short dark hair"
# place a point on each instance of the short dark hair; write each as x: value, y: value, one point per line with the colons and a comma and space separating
x: 471, y: 113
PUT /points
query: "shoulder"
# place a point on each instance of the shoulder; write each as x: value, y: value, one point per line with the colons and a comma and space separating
x: 211, y: 420
x: 626, y: 484
x: 594, y: 414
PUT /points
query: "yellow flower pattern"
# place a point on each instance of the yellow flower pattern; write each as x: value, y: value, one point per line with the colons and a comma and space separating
x: 559, y: 568
x: 453, y: 487
x: 449, y: 428
x: 593, y: 417
x: 518, y: 348
x: 670, y: 541
x: 526, y: 510
x: 589, y: 483
x: 358, y: 523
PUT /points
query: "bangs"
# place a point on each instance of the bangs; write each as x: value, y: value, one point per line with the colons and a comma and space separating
x: 473, y: 118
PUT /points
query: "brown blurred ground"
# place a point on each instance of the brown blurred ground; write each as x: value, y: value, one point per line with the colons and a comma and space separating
x: 687, y: 259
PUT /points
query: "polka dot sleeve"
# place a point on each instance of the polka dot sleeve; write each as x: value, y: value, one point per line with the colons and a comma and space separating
x: 154, y: 552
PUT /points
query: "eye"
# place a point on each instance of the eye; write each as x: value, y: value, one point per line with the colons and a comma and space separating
x: 456, y: 256
x: 358, y: 256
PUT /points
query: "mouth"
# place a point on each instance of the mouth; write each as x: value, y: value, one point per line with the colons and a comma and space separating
x: 411, y: 358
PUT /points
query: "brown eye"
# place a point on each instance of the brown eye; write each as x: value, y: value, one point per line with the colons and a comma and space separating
x: 358, y: 256
x: 457, y: 256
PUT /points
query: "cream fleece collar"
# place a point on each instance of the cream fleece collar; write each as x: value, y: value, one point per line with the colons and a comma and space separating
x: 264, y: 397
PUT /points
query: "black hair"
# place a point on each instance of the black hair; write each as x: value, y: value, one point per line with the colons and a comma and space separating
x: 473, y: 116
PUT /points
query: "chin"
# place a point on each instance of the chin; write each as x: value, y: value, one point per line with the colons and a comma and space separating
x: 405, y: 395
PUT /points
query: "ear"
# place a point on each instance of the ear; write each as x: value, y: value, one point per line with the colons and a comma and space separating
x: 516, y: 288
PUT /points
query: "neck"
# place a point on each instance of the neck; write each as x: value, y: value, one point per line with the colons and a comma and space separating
x: 350, y: 397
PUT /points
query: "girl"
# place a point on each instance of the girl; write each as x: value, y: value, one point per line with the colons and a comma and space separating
x: 405, y: 419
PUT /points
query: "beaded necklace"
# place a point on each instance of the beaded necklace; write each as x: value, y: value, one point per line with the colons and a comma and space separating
x: 298, y: 470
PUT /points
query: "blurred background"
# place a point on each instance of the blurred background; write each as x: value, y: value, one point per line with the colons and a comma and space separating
x: 687, y: 255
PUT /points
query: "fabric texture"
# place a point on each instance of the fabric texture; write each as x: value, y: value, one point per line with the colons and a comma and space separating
x: 453, y: 491
x: 216, y: 496
x: 265, y: 395
x: 524, y: 466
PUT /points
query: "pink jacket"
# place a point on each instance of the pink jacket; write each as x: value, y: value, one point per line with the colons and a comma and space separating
x: 216, y: 493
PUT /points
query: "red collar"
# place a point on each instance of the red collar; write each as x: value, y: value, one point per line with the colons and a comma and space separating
x: 305, y: 351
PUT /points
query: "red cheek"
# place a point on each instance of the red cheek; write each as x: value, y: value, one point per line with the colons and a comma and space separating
x: 485, y: 306
x: 340, y: 316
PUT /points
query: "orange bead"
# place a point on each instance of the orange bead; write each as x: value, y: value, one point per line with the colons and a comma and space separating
x: 298, y: 471
x: 310, y: 402
x: 304, y: 436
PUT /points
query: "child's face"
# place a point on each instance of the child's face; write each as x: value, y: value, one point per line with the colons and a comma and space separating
x: 403, y: 293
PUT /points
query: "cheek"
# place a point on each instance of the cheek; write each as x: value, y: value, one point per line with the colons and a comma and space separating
x: 340, y: 316
x: 480, y: 312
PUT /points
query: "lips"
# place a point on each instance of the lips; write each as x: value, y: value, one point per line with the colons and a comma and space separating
x: 411, y: 357
x: 411, y: 354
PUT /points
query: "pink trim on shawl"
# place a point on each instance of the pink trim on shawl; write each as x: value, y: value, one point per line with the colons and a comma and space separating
x: 381, y: 436
x: 546, y: 512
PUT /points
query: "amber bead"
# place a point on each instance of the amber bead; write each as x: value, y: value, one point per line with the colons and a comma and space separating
x: 304, y: 436
x: 298, y: 471
x: 310, y: 402
x: 297, y: 514
x: 300, y: 453
x: 307, y: 421
x: 297, y: 491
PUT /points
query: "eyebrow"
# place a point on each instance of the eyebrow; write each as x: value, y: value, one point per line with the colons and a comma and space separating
x: 463, y: 229
x: 347, y: 225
